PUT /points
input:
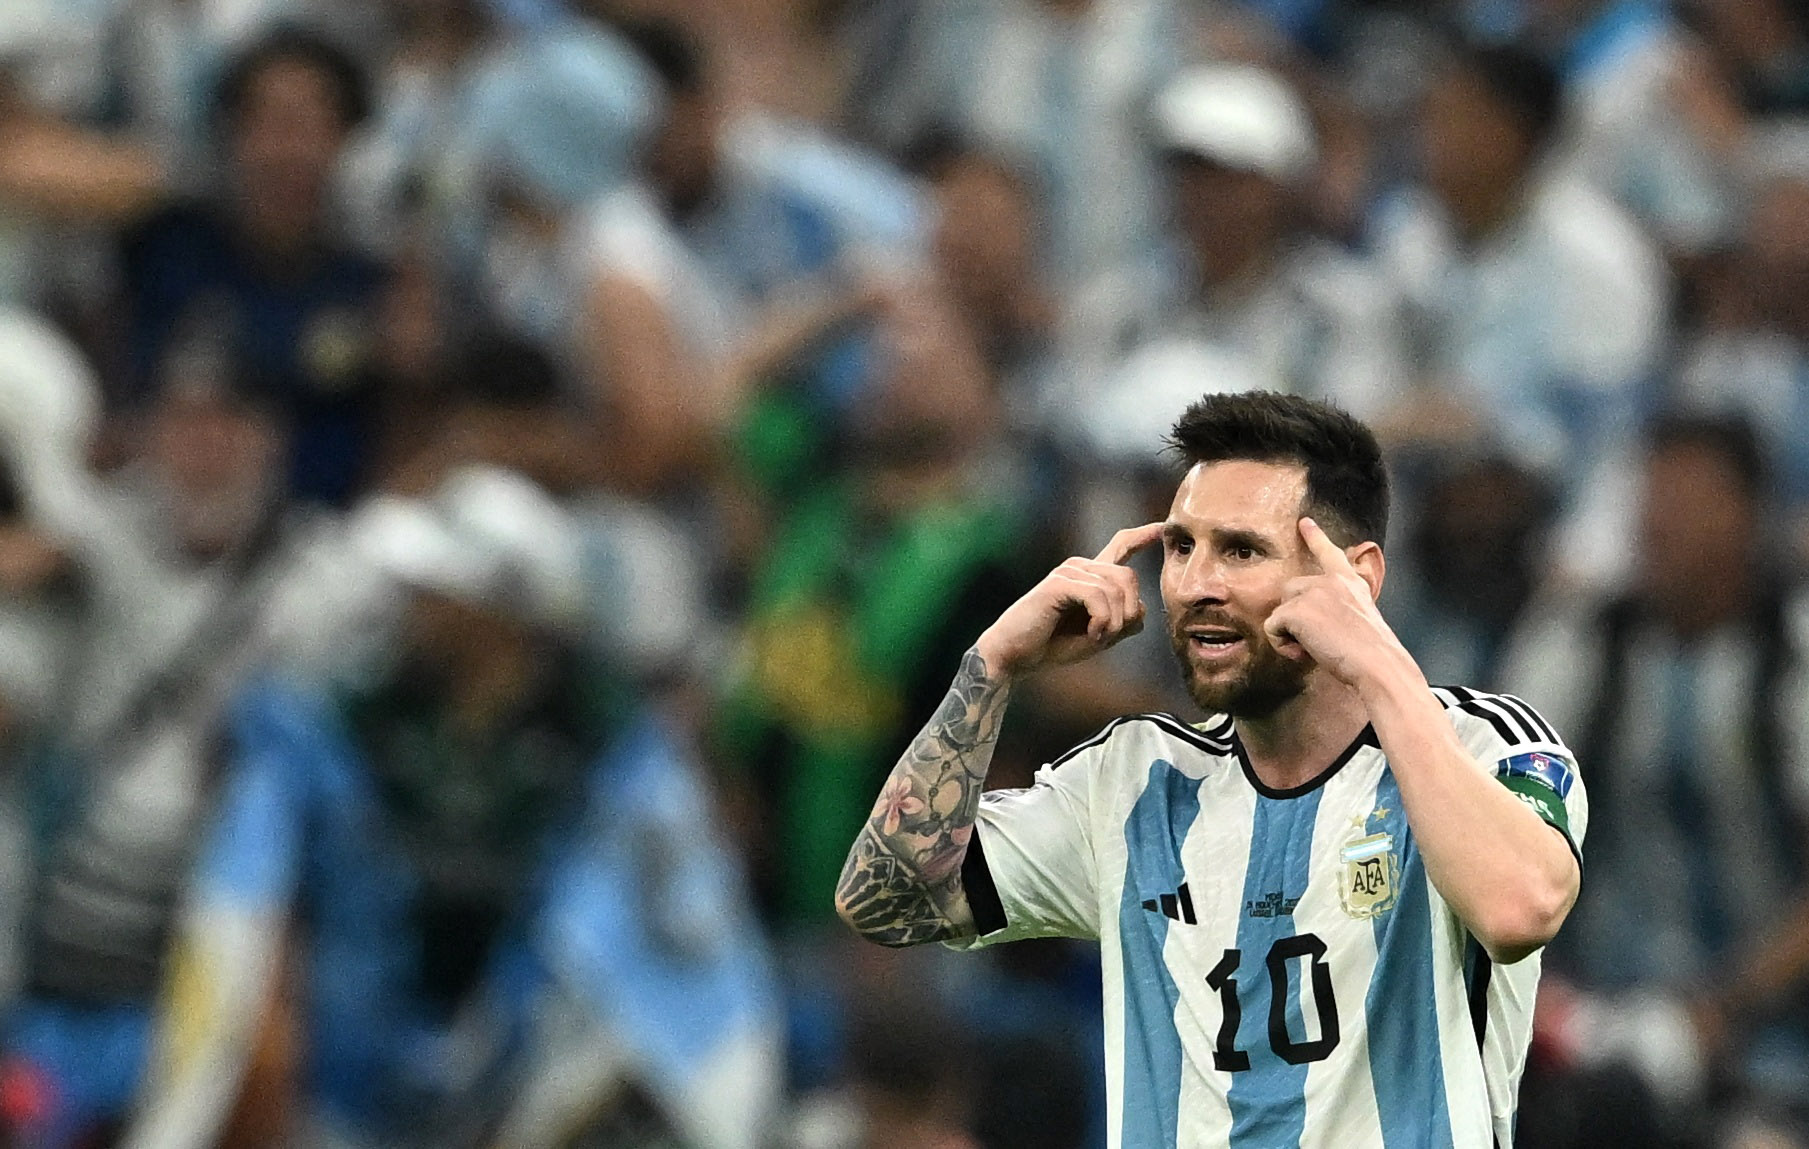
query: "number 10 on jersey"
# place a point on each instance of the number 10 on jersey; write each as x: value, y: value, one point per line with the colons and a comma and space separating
x: 1297, y: 950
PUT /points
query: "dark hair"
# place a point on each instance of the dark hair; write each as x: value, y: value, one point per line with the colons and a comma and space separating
x: 1528, y: 86
x: 1728, y: 435
x: 671, y: 50
x: 1346, y: 480
x: 351, y: 90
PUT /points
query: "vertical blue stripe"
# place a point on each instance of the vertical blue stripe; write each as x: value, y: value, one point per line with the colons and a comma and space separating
x: 1268, y: 1100
x: 1402, y: 1006
x: 1152, y: 1046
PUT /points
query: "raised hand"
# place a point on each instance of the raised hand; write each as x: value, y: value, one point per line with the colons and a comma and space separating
x: 1082, y: 607
x: 1331, y: 617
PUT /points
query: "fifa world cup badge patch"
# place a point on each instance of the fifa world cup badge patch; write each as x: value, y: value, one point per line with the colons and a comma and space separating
x: 1372, y: 875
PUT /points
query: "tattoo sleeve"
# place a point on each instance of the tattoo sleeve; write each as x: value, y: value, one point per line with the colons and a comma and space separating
x: 902, y: 882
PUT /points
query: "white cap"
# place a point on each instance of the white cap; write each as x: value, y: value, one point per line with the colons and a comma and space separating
x: 1238, y: 116
x: 487, y: 536
x: 1135, y: 407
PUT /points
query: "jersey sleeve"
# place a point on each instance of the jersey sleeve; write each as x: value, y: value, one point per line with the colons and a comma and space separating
x: 1030, y: 870
x: 1515, y: 743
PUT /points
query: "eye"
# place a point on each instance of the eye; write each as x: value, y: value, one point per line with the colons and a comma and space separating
x: 1179, y: 545
x: 1242, y: 552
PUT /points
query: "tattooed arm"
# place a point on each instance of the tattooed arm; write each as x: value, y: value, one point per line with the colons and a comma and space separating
x: 902, y: 882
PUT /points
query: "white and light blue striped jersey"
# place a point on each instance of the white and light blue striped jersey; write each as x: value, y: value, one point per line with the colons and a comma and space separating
x: 1278, y: 968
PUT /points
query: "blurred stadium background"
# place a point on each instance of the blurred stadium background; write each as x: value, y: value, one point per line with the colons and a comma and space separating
x: 487, y: 487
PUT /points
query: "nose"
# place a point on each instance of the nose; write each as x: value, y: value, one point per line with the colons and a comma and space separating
x: 1195, y: 579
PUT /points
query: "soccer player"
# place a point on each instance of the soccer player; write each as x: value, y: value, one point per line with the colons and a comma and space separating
x: 1320, y: 909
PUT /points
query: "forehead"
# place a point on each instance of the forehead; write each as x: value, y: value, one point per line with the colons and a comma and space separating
x: 1240, y: 493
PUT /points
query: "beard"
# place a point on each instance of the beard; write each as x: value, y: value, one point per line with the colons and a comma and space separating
x: 1255, y: 689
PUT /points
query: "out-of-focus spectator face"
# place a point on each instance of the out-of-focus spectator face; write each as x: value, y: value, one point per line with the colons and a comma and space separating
x: 216, y: 463
x: 1478, y: 537
x: 441, y: 632
x: 1699, y: 524
x: 1232, y: 220
x: 936, y: 403
x: 1776, y: 255
x: 284, y: 142
x: 1473, y: 144
x: 986, y: 241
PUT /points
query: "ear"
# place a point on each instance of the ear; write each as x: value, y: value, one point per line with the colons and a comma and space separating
x: 1366, y: 559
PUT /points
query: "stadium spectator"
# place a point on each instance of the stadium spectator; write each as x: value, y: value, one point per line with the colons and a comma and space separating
x: 259, y: 267
x: 1473, y: 563
x: 1650, y: 119
x: 189, y: 574
x: 1685, y: 690
x: 1750, y: 350
x: 777, y: 209
x: 989, y: 249
x: 1247, y: 280
x: 1063, y: 86
x: 1535, y: 306
x: 845, y: 621
x: 515, y: 928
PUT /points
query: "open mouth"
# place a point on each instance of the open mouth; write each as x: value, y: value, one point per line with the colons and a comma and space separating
x: 1213, y: 641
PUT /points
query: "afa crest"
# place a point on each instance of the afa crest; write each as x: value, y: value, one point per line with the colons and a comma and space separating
x: 1371, y: 877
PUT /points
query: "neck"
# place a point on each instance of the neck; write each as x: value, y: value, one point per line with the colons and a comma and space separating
x: 1292, y: 746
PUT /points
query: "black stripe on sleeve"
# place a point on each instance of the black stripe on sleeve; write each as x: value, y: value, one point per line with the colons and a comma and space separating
x: 1104, y: 733
x: 1493, y: 719
x: 1491, y: 702
x: 1525, y: 709
x: 982, y: 895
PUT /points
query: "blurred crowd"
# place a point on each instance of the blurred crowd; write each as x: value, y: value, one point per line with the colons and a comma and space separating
x: 488, y: 487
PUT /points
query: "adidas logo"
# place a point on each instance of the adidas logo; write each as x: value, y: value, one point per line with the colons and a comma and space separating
x: 1178, y: 905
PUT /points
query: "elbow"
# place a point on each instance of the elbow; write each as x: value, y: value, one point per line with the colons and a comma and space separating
x: 1516, y: 927
x: 862, y: 919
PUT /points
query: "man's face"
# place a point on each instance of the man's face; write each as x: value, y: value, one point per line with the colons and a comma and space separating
x: 986, y: 238
x: 218, y: 466
x: 1230, y: 219
x: 1470, y: 142
x: 285, y: 143
x: 1231, y: 543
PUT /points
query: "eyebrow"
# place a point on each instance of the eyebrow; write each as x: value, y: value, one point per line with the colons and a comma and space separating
x: 1221, y: 536
x: 1241, y: 537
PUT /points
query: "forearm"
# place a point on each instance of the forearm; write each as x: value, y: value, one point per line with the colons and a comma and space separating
x: 71, y: 173
x: 902, y: 881
x: 1509, y: 877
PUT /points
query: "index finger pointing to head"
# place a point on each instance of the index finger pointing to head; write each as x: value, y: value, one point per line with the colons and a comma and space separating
x: 1128, y: 542
x: 1331, y: 556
